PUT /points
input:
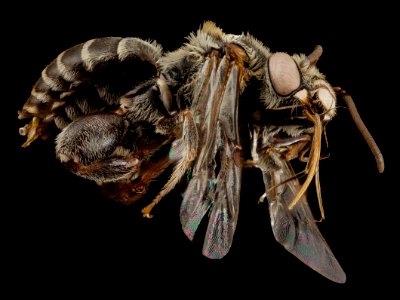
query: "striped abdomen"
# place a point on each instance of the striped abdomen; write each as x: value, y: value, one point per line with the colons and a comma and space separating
x: 86, y: 78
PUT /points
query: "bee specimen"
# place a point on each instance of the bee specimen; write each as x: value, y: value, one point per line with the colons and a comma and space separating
x: 205, y: 111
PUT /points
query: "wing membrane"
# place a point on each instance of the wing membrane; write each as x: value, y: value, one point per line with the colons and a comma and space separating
x: 195, y: 204
x: 216, y: 175
x: 296, y: 229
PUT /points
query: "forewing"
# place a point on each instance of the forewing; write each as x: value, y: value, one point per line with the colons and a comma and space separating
x: 195, y: 204
x: 296, y: 229
x: 225, y: 211
x: 216, y: 175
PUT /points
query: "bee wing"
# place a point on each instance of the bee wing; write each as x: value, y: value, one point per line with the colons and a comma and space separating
x: 216, y: 175
x: 225, y: 209
x: 296, y: 229
x: 87, y: 78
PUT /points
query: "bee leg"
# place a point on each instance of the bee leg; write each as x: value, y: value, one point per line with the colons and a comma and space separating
x: 111, y: 169
x: 154, y: 159
x: 171, y: 125
x: 131, y: 190
x: 93, y: 147
x: 120, y: 191
x: 183, y: 151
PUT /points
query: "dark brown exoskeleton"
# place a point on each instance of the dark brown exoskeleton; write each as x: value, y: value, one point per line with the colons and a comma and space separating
x: 195, y: 114
x: 80, y: 91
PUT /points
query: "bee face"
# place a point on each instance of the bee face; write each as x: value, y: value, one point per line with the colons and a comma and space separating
x: 325, y: 98
x: 321, y: 99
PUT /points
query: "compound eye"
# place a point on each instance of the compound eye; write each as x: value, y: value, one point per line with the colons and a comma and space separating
x: 284, y: 74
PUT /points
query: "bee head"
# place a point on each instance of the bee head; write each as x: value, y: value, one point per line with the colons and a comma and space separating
x: 297, y: 77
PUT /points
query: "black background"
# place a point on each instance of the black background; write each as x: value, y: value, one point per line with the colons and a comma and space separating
x: 63, y: 235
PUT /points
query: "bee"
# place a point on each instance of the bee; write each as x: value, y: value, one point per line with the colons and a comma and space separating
x: 123, y: 112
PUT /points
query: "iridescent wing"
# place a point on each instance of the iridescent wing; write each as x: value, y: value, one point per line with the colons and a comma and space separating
x: 296, y: 228
x: 214, y: 185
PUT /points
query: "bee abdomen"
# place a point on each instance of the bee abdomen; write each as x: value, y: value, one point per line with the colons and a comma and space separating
x: 92, y: 62
x: 90, y: 77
